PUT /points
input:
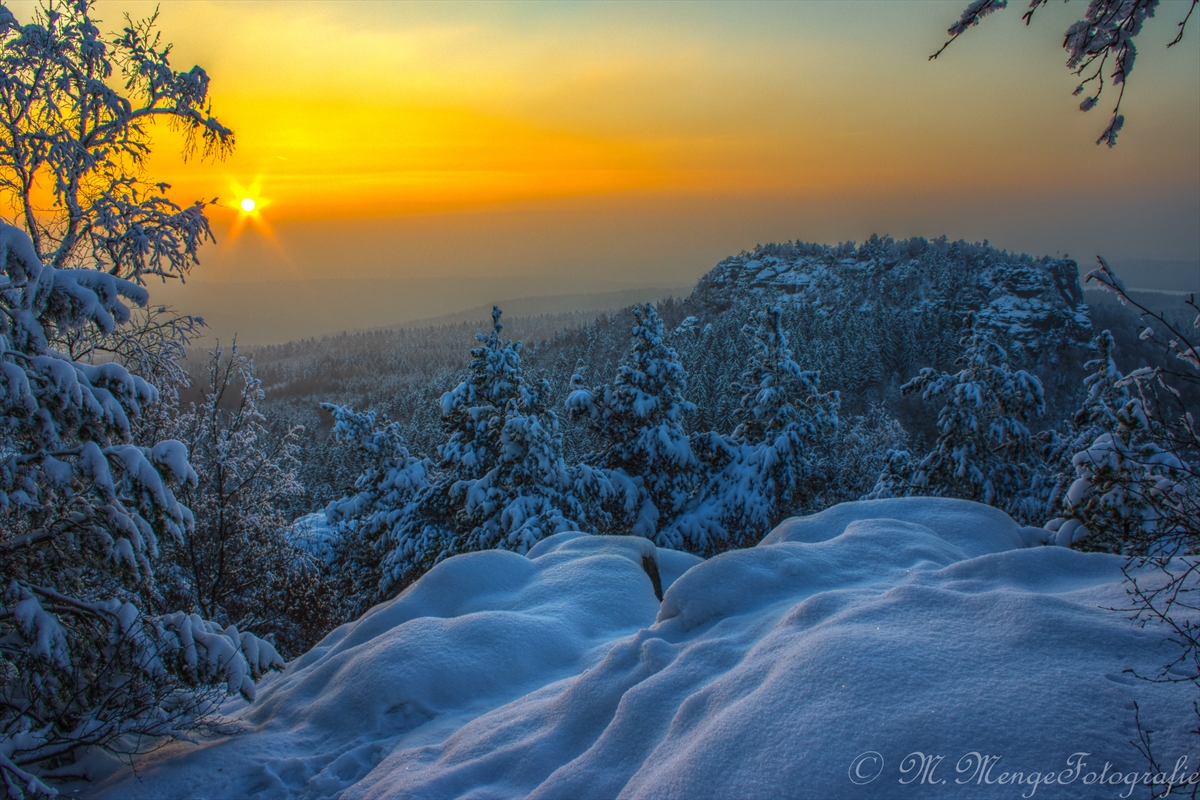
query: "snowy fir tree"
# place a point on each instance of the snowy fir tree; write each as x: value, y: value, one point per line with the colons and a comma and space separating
x: 984, y: 449
x: 236, y: 565
x: 772, y: 467
x: 782, y: 406
x: 365, y: 523
x: 433, y: 528
x: 472, y: 417
x: 84, y: 512
x: 1121, y: 487
x: 639, y: 422
x: 472, y: 410
x: 500, y: 481
x: 525, y: 496
x: 858, y: 454
x: 1105, y: 393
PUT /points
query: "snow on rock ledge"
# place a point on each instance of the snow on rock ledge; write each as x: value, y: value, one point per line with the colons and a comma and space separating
x: 890, y: 626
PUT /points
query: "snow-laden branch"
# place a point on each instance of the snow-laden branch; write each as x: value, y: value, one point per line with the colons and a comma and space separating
x: 1104, y: 35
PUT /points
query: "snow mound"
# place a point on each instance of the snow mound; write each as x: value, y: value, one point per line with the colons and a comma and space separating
x: 846, y: 640
x: 976, y: 529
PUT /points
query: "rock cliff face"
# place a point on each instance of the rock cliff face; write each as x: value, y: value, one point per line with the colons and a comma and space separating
x: 1035, y: 305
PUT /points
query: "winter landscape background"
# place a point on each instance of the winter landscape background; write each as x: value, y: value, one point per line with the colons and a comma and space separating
x: 534, y: 419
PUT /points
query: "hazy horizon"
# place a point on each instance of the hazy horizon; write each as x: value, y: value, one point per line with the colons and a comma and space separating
x: 273, y: 312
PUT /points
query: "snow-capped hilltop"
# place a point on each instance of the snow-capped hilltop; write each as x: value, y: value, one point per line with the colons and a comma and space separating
x: 1034, y: 303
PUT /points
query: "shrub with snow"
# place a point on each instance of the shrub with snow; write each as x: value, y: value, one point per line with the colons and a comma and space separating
x: 237, y: 565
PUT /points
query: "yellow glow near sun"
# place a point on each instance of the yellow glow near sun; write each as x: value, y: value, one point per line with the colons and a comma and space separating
x: 248, y: 204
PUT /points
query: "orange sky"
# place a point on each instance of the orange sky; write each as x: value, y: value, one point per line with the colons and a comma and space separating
x: 642, y: 142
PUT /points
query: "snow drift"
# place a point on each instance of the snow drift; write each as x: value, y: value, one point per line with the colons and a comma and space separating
x: 887, y: 648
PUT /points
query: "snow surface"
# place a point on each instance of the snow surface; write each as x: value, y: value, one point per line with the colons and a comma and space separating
x: 891, y: 626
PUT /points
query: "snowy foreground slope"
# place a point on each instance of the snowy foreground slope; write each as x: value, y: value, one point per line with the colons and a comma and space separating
x: 840, y: 645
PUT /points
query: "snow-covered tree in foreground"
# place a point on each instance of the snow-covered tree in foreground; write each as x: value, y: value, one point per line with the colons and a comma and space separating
x: 365, y: 521
x: 770, y: 466
x: 984, y: 450
x: 67, y: 129
x: 1137, y: 490
x: 82, y: 512
x: 1121, y: 484
x: 77, y: 110
x: 639, y: 419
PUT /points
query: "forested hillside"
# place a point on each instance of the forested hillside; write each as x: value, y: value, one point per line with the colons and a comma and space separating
x: 792, y: 377
x: 867, y: 318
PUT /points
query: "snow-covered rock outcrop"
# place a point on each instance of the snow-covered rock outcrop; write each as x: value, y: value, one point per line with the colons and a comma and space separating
x: 1033, y: 304
x: 815, y: 664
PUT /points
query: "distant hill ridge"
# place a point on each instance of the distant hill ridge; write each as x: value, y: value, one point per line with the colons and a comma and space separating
x: 1160, y: 275
x: 557, y: 304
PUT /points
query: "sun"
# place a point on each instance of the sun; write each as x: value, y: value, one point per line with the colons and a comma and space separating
x: 248, y: 200
x: 249, y: 203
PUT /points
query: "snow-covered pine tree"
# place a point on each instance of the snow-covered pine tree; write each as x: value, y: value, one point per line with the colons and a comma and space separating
x: 82, y: 513
x: 984, y: 450
x: 1104, y: 394
x: 782, y: 406
x: 702, y: 356
x: 237, y: 565
x: 896, y: 477
x: 639, y: 420
x: 1116, y: 485
x: 501, y: 481
x: 471, y: 416
x: 364, y: 522
x: 526, y: 495
x: 857, y: 455
x: 773, y: 463
x: 471, y: 410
